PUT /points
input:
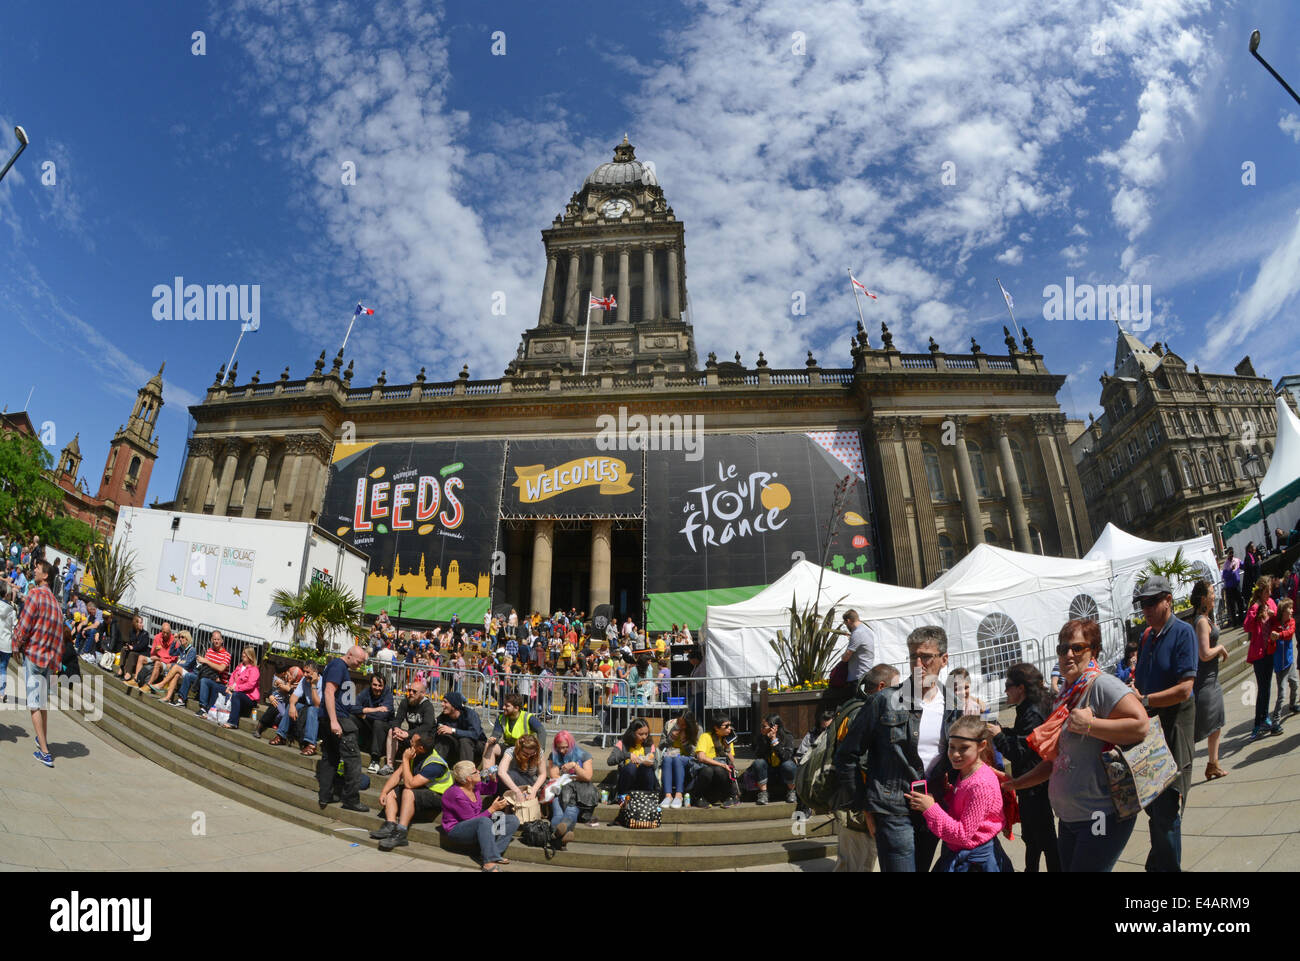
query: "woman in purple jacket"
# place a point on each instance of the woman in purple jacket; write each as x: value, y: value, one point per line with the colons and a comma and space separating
x: 466, y: 818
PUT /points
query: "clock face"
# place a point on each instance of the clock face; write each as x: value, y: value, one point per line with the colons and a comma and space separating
x: 613, y: 209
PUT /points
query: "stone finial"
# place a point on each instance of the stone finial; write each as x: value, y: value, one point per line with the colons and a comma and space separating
x: 1196, y: 367
x: 934, y: 347
x: 1027, y: 340
x: 886, y: 337
x: 256, y: 378
x: 382, y: 379
x: 464, y: 372
x: 762, y: 361
x: 811, y: 361
x: 230, y: 374
x: 712, y: 361
x: 338, y: 362
x: 1009, y: 340
x: 1090, y: 419
x: 974, y: 347
x: 284, y: 375
x: 862, y: 332
x: 221, y: 373
x: 658, y: 364
x: 347, y: 374
x: 419, y: 378
x: 320, y: 364
x: 738, y: 357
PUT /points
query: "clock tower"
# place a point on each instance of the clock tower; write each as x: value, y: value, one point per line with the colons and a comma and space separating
x: 616, y: 237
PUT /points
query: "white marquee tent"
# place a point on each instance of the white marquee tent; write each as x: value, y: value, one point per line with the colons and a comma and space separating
x: 1128, y: 555
x: 1280, y: 489
x: 738, y: 636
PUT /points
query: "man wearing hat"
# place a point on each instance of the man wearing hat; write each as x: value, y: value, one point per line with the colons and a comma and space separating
x: 458, y: 733
x: 1163, y: 679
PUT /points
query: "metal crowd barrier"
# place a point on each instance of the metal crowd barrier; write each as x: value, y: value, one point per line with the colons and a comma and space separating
x: 234, y: 641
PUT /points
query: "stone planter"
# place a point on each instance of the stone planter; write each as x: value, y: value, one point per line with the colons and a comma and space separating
x: 273, y: 663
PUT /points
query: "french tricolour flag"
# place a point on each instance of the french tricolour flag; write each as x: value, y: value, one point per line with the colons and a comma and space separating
x: 363, y: 310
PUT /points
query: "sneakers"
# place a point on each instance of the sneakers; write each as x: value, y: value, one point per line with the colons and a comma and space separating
x: 762, y: 796
x: 200, y: 713
x: 46, y: 759
x: 666, y: 803
x: 731, y: 802
x: 677, y: 801
x: 1277, y: 728
x: 374, y: 767
x: 359, y: 808
x: 385, y: 829
x: 699, y: 802
x: 1258, y: 732
x: 791, y: 797
x: 176, y: 702
x: 386, y: 770
x: 131, y: 682
x: 397, y: 839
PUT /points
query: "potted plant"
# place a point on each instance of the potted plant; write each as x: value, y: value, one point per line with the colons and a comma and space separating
x: 321, y: 611
x: 806, y: 653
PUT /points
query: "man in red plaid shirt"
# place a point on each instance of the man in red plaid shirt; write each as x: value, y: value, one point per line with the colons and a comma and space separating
x: 38, y: 645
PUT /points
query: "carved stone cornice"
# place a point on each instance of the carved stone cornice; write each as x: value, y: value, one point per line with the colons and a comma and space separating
x: 203, y: 447
x: 1001, y: 424
x: 911, y: 427
x: 262, y: 446
x: 1043, y: 423
x: 230, y: 446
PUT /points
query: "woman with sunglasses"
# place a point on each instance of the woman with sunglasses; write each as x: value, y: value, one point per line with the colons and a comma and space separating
x: 1033, y: 703
x: 715, y: 780
x: 1094, y: 708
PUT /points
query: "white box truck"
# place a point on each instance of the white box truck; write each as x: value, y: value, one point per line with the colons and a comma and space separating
x: 206, y: 572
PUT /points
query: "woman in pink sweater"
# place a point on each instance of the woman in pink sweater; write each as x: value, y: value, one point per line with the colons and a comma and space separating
x: 970, y: 817
x: 243, y: 688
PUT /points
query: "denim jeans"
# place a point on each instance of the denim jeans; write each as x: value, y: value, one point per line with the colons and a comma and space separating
x: 208, y: 692
x: 310, y: 723
x: 1084, y: 851
x: 187, y: 682
x: 240, y: 704
x: 1263, y: 688
x: 88, y: 642
x: 787, y: 771
x: 1284, y: 678
x: 4, y: 673
x: 904, y: 844
x: 1165, y: 821
x: 492, y: 840
x: 637, y: 777
x: 675, y: 772
x: 568, y: 815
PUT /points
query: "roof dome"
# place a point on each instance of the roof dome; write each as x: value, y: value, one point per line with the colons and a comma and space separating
x: 625, y: 169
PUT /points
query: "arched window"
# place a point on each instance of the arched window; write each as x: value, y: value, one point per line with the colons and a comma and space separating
x: 947, y: 556
x: 1207, y: 472
x: 933, y: 475
x: 998, y: 639
x: 1145, y: 493
x: 1224, y: 473
x: 1167, y: 481
x: 1189, y: 479
x: 977, y: 468
x: 990, y: 536
x: 134, y: 471
x: 1035, y: 539
x: 1201, y: 527
x: 1022, y: 472
x: 1125, y: 510
x: 1083, y: 607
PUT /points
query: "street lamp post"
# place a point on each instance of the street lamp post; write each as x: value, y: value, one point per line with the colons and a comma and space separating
x: 1252, y: 464
x: 21, y: 134
x: 1254, y: 52
x: 401, y: 599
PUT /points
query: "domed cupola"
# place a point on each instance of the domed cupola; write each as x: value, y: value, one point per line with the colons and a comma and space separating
x: 625, y: 169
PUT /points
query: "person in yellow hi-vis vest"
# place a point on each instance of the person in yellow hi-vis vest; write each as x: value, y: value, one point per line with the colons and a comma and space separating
x: 512, y: 724
x: 416, y: 787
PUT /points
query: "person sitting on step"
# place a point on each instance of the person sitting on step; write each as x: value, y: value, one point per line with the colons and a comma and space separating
x: 458, y: 734
x: 470, y: 814
x: 181, y: 673
x: 373, y: 716
x: 678, y: 757
x: 277, y: 700
x: 302, y: 719
x: 417, y: 712
x: 415, y: 788
x: 522, y: 772
x: 576, y: 798
x: 243, y: 688
x: 512, y: 724
x: 775, y: 757
x: 715, y: 780
x: 152, y: 664
x: 634, y: 756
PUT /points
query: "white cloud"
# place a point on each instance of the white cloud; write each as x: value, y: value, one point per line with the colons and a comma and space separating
x: 1276, y: 284
x: 1012, y: 256
x: 1290, y: 125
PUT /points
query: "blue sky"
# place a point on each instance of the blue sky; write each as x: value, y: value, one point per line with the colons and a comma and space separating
x: 1103, y: 142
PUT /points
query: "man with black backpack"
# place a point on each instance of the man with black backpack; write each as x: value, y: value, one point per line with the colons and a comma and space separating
x: 898, y: 743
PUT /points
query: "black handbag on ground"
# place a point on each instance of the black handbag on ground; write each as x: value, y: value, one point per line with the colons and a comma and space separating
x: 538, y: 834
x: 640, y: 810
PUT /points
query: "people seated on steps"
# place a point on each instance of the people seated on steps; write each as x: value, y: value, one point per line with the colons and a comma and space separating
x: 777, y: 761
x: 414, y: 713
x: 472, y: 815
x: 715, y: 781
x: 277, y: 699
x: 414, y: 790
x: 575, y: 801
x: 242, y: 688
x: 90, y: 629
x: 678, y: 764
x: 458, y: 733
x: 302, y: 719
x: 374, y: 715
x: 186, y: 659
x: 152, y: 664
x: 137, y: 646
x: 634, y: 757
x: 522, y: 773
x: 213, y: 669
x: 512, y: 723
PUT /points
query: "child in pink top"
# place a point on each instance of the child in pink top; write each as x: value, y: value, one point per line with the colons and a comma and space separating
x: 970, y: 817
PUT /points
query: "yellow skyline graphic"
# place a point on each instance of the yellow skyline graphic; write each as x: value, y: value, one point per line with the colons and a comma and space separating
x: 421, y: 584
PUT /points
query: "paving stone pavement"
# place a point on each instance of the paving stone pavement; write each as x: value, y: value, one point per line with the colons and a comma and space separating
x: 103, y: 807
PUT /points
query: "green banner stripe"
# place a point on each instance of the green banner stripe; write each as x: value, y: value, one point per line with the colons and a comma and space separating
x: 1251, y: 515
x: 470, y: 609
x: 687, y: 607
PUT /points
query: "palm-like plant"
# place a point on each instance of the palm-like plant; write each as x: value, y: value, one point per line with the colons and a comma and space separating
x: 321, y: 611
x: 112, y: 571
x: 806, y: 651
x: 1178, y: 569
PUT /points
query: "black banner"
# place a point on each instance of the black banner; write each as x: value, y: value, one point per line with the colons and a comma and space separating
x: 571, y: 477
x: 426, y: 513
x: 742, y: 514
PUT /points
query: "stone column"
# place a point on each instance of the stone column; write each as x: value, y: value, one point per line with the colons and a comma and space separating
x: 253, y: 496
x: 571, y: 290
x: 674, y: 296
x: 624, y: 285
x: 227, y: 481
x: 543, y: 539
x: 1056, y: 484
x: 970, y: 498
x: 598, y: 273
x: 1011, y: 485
x: 314, y: 476
x: 889, y: 435
x: 649, y: 286
x: 602, y: 535
x: 926, y: 521
x: 203, y: 452
x: 1078, y: 506
x: 548, y: 293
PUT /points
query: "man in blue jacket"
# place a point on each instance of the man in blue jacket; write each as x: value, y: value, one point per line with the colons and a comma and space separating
x: 458, y: 733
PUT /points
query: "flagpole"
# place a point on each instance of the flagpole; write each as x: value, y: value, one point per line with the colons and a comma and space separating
x: 236, y: 350
x: 856, y: 302
x: 349, y: 333
x: 586, y: 339
x: 1002, y: 290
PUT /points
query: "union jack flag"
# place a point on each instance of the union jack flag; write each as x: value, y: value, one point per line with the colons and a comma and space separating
x: 604, y: 303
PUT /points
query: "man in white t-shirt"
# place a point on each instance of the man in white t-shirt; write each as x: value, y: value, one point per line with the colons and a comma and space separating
x: 861, y: 653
